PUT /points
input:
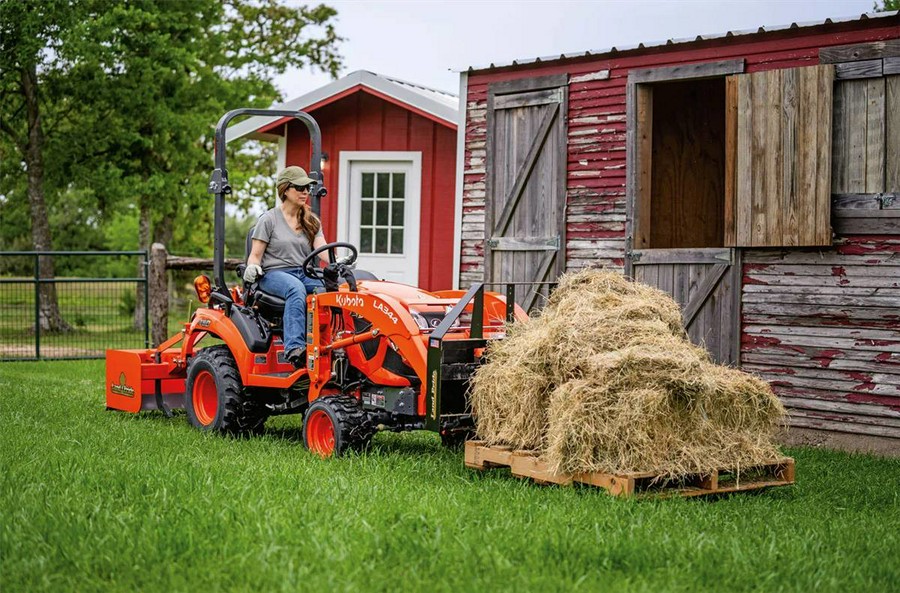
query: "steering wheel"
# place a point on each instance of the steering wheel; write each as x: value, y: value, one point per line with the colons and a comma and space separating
x: 313, y: 271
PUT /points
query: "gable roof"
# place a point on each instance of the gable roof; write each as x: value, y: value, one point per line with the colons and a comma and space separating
x: 439, y: 106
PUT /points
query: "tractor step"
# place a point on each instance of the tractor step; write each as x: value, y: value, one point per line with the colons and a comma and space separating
x: 527, y: 464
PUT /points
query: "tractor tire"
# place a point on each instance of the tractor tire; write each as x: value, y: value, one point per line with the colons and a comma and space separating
x: 335, y: 424
x: 215, y: 398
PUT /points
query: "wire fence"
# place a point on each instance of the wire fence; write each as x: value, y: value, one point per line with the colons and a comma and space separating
x: 94, y: 300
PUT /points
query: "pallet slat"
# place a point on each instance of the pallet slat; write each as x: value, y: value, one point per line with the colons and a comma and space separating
x: 527, y: 464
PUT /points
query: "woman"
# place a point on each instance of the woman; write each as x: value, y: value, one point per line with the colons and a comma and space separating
x: 284, y: 236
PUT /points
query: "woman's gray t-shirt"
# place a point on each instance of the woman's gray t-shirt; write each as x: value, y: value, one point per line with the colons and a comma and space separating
x: 285, y: 247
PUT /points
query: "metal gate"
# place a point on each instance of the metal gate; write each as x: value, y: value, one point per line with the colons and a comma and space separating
x: 95, y: 300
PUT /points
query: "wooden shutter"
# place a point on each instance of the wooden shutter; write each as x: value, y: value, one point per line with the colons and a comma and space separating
x: 866, y: 150
x: 525, y: 182
x: 778, y: 171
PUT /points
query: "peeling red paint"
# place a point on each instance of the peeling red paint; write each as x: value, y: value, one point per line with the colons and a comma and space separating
x: 859, y: 376
x: 760, y: 341
x: 887, y: 357
x: 838, y: 271
x: 826, y: 357
x: 750, y: 280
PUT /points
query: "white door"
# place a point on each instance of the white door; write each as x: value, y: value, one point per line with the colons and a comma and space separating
x: 381, y: 206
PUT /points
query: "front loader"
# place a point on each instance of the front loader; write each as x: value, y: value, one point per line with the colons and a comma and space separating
x: 380, y: 355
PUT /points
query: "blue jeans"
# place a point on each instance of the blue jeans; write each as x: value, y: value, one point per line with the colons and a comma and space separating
x: 292, y: 285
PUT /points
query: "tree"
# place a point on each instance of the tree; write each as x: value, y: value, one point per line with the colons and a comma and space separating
x: 121, y: 100
x: 887, y: 5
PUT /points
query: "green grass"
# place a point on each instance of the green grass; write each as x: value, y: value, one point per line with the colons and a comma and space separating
x: 93, y: 500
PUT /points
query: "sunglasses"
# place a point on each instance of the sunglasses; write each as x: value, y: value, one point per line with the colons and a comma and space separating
x: 303, y: 188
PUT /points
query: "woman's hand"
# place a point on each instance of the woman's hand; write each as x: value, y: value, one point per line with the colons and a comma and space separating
x: 252, y: 273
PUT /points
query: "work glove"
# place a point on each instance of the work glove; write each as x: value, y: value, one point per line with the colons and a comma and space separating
x: 252, y: 273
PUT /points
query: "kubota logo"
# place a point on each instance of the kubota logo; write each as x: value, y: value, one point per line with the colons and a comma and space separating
x: 349, y: 301
x: 121, y: 388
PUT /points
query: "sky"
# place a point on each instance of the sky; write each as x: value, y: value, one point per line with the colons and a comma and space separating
x: 428, y: 42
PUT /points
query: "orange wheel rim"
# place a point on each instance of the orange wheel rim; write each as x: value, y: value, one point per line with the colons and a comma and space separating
x: 205, y: 398
x: 320, y: 434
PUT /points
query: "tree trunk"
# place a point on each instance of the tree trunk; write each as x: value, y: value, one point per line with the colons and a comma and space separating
x: 50, y: 319
x: 143, y: 243
x: 159, y: 295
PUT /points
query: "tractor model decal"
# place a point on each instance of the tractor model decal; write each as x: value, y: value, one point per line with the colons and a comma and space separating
x: 121, y: 388
x: 381, y: 307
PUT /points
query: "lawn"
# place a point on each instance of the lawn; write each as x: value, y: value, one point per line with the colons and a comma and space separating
x: 93, y: 500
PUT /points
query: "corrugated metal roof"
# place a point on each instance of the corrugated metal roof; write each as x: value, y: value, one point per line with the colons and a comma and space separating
x: 670, y: 42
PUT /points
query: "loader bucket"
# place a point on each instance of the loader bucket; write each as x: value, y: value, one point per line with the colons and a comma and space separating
x: 141, y: 379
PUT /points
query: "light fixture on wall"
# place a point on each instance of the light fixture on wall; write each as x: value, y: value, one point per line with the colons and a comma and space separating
x: 324, y: 161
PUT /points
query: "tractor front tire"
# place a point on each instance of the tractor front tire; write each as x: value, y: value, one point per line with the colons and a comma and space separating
x: 334, y: 424
x: 215, y: 398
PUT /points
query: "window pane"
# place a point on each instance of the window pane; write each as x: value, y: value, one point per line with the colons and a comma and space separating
x: 368, y: 185
x: 365, y: 240
x: 396, y: 213
x: 381, y: 212
x: 396, y: 240
x: 384, y: 185
x: 381, y: 240
x: 398, y: 189
x: 366, y: 212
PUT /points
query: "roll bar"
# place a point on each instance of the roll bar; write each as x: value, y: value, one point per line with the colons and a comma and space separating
x: 218, y: 182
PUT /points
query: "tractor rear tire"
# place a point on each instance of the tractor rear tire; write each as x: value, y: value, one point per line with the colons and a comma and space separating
x: 335, y: 424
x: 215, y: 398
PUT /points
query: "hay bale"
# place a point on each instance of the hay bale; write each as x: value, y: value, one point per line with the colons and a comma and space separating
x: 605, y: 379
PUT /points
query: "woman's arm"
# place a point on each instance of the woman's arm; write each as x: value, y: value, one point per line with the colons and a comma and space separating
x: 319, y: 241
x: 257, y: 249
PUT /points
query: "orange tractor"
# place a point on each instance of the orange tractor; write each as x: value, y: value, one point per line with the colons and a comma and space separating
x: 380, y: 355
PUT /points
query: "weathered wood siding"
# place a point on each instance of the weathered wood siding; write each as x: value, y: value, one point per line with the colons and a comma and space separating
x: 824, y: 328
x: 595, y: 181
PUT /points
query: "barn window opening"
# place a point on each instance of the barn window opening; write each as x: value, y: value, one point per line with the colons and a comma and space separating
x: 740, y: 160
x: 686, y: 166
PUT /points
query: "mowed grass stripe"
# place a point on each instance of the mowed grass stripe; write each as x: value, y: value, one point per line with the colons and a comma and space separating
x: 93, y: 500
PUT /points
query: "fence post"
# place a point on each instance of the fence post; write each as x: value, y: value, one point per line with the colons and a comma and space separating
x: 146, y: 297
x: 159, y: 294
x: 37, y: 306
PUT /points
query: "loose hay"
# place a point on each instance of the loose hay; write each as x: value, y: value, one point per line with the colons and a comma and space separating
x: 605, y: 379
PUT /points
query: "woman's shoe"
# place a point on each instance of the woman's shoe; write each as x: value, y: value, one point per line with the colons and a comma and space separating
x: 297, y: 357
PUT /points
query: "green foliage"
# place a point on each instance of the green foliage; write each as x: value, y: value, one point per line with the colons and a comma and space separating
x: 129, y: 94
x: 886, y: 5
x: 127, y: 303
x: 95, y: 500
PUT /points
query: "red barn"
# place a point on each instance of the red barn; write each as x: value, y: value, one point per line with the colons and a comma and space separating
x: 755, y: 176
x: 390, y: 170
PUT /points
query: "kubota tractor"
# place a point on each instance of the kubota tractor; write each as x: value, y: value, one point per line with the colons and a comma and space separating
x: 380, y: 355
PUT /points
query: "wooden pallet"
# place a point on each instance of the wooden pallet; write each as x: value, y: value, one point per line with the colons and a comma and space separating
x: 526, y: 464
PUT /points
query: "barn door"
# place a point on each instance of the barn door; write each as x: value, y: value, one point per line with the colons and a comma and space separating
x: 525, y: 184
x: 706, y: 283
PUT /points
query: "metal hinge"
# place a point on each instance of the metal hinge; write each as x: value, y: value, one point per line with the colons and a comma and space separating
x: 885, y: 200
